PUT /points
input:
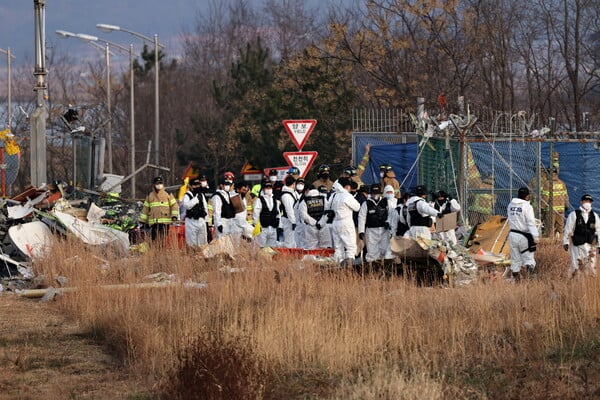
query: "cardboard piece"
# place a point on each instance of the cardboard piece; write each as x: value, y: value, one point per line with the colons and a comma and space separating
x: 446, y: 223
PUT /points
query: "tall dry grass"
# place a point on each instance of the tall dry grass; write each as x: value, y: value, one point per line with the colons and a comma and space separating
x: 284, y: 329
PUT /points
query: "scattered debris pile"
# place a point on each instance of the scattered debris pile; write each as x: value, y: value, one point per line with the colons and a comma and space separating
x: 30, y: 220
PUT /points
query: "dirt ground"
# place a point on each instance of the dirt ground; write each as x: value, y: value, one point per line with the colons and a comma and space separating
x: 45, y: 355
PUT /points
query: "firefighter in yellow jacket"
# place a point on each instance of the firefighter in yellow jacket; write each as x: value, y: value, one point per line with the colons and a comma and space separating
x: 554, y: 200
x: 160, y: 209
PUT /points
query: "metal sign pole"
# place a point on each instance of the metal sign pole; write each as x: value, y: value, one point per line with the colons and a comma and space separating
x: 38, y: 117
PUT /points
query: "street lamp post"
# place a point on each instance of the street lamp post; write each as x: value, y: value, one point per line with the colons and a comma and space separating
x: 92, y: 40
x: 157, y: 46
x: 9, y: 112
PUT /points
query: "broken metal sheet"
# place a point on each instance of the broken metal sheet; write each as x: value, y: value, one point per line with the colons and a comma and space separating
x: 33, y: 239
x: 95, y: 213
x: 19, y: 211
x: 410, y: 249
x: 93, y: 233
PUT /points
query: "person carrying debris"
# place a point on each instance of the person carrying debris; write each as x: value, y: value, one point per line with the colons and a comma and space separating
x: 446, y: 205
x: 196, y: 209
x: 240, y: 227
x: 523, y: 236
x: 582, y: 231
x: 159, y: 210
x: 420, y: 214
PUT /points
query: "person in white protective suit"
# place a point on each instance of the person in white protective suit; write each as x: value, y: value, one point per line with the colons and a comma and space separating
x: 420, y: 214
x: 342, y: 205
x: 399, y: 217
x: 373, y: 224
x: 196, y: 207
x: 240, y: 228
x: 523, y: 235
x: 301, y: 189
x: 312, y: 211
x: 446, y: 205
x: 581, y: 234
x: 266, y: 211
x: 223, y: 211
x: 288, y: 200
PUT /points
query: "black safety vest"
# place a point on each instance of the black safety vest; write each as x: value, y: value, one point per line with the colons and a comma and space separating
x: 376, y: 213
x: 584, y: 232
x: 444, y: 207
x: 282, y: 207
x: 416, y: 219
x: 402, y: 227
x: 198, y: 210
x: 315, y: 206
x: 227, y: 210
x: 268, y: 217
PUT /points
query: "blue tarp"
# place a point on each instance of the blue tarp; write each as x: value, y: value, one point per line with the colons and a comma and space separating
x: 579, y: 163
x: 400, y: 156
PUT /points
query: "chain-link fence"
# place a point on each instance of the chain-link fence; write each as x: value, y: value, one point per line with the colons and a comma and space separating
x: 484, y: 172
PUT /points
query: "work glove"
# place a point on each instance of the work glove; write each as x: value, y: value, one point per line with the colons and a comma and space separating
x: 220, y: 228
x: 386, y: 226
x: 293, y: 227
x: 361, y: 236
x: 279, y: 231
x: 566, y: 246
x: 318, y: 226
x: 440, y: 215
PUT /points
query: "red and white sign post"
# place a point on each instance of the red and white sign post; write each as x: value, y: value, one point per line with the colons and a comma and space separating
x: 302, y: 160
x: 299, y: 130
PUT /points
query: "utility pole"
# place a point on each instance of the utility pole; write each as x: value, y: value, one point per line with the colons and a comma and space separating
x: 38, y: 117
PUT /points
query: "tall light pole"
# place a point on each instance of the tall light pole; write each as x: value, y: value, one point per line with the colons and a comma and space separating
x: 93, y: 41
x: 39, y: 115
x: 157, y: 47
x: 9, y: 112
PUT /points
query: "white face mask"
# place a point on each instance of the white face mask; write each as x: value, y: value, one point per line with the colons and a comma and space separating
x: 300, y: 187
x: 381, y: 174
x: 389, y: 196
x: 586, y: 206
x: 159, y: 186
x: 226, y: 188
x: 203, y: 184
x: 268, y: 192
x: 375, y: 196
x: 273, y: 178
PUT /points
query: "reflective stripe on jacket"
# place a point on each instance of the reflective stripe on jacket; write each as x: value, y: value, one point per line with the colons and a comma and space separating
x: 159, y: 208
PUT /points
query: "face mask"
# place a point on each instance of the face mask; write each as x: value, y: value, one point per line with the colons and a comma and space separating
x: 226, y: 188
x: 160, y: 186
x: 587, y: 206
x: 300, y: 187
x: 381, y: 174
x: 375, y: 196
x: 325, y: 175
x: 273, y: 178
x: 389, y: 196
x: 268, y: 192
x: 203, y: 184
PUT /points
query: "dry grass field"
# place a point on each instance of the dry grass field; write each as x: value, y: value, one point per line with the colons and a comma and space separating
x: 282, y: 329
